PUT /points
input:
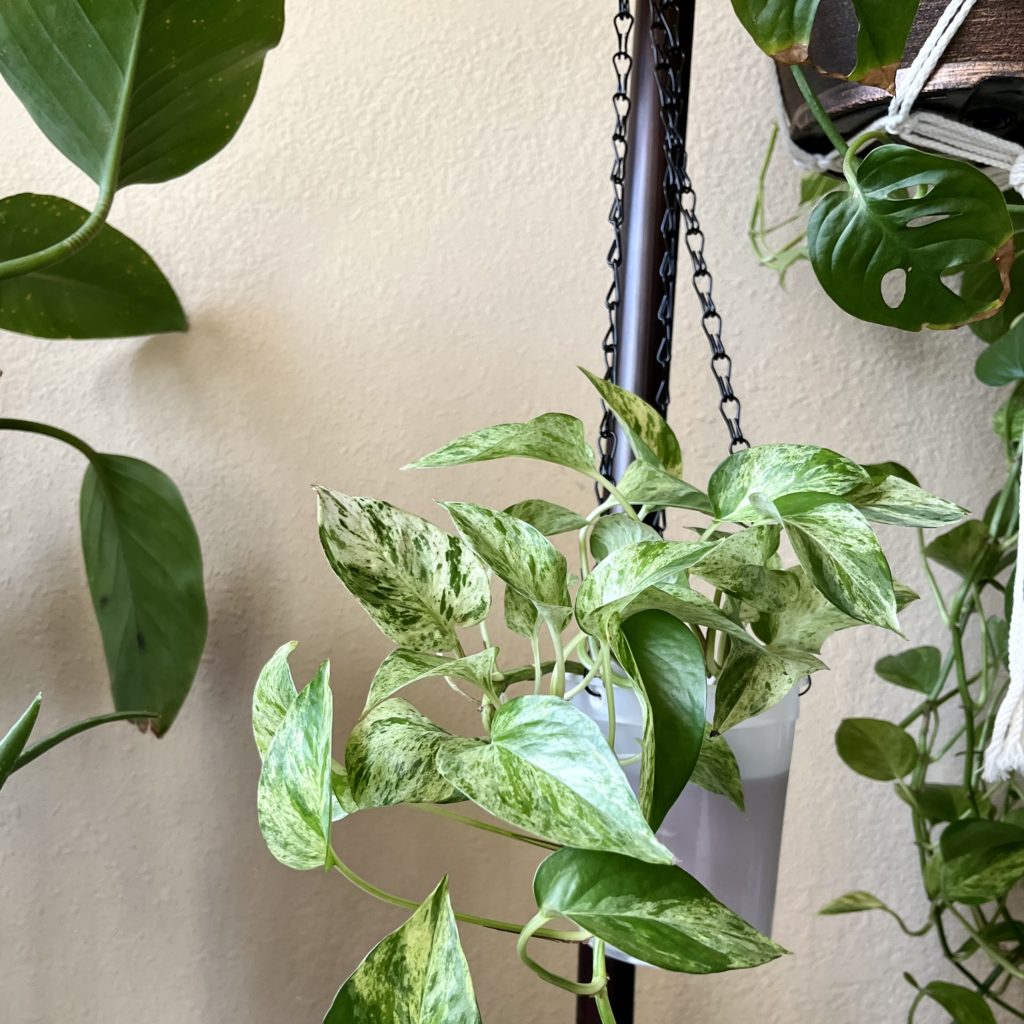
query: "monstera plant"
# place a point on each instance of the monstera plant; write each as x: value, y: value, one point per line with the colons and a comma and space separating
x: 133, y: 92
x: 642, y: 614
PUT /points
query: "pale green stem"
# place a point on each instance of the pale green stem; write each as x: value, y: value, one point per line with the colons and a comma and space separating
x: 819, y: 112
x: 604, y: 1004
x: 38, y: 749
x: 558, y: 675
x: 538, y: 668
x: 609, y: 693
x: 486, y: 826
x: 535, y: 927
x: 485, y: 636
x: 583, y: 684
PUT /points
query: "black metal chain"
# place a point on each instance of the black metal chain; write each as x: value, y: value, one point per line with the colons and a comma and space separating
x: 681, y: 201
x: 622, y: 62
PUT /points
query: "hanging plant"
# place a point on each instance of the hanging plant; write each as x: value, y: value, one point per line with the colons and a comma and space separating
x: 540, y: 769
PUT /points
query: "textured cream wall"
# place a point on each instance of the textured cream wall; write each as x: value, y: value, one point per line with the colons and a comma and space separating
x: 406, y: 241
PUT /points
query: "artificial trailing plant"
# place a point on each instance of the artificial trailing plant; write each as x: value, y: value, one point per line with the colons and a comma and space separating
x: 638, y: 618
x: 131, y: 93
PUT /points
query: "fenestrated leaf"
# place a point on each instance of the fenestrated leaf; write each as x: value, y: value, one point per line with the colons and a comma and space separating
x: 520, y: 555
x: 145, y: 573
x: 1003, y: 361
x: 876, y: 749
x: 898, y: 503
x: 716, y: 769
x: 755, y: 679
x: 273, y: 696
x: 982, y: 860
x: 549, y: 518
x: 13, y: 742
x: 918, y: 216
x: 110, y: 289
x: 390, y: 755
x: 549, y: 769
x: 881, y: 40
x: 666, y: 661
x: 176, y: 81
x: 294, y: 798
x: 553, y: 437
x: 403, y: 667
x: 417, y: 975
x: 984, y: 281
x: 776, y: 470
x: 782, y: 28
x: 964, y: 1004
x: 915, y: 669
x: 521, y: 614
x: 415, y: 581
x: 656, y: 913
x: 627, y: 572
x: 966, y: 549
x: 650, y: 437
x: 616, y: 531
x: 841, y: 555
x: 646, y: 484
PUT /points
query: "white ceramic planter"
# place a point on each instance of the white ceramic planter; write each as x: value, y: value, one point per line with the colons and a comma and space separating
x: 734, y: 854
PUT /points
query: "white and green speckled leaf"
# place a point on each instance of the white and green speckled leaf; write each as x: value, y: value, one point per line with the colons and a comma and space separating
x: 521, y: 614
x: 656, y: 913
x: 650, y: 437
x: 549, y: 769
x: 519, y: 554
x: 841, y: 555
x: 274, y: 695
x: 403, y: 667
x: 752, y: 680
x: 294, y: 800
x: 615, y: 531
x: 416, y: 975
x: 644, y: 484
x: 740, y: 565
x: 626, y: 573
x: 553, y: 437
x: 546, y: 516
x: 898, y: 502
x: 689, y: 606
x: 344, y: 802
x: 415, y: 581
x: 808, y: 619
x: 390, y: 755
x: 716, y: 770
x: 776, y: 470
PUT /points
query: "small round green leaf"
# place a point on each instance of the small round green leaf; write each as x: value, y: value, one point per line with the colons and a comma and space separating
x: 963, y: 1004
x: 876, y: 749
x: 916, y: 669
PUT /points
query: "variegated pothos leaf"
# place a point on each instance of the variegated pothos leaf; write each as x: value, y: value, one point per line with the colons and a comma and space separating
x: 716, y: 769
x: 403, y: 667
x: 645, y: 484
x: 898, y: 502
x: 415, y: 581
x: 274, y: 695
x: 615, y: 531
x: 753, y: 680
x: 549, y: 518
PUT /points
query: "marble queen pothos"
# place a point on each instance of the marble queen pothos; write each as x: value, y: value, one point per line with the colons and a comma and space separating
x: 637, y: 616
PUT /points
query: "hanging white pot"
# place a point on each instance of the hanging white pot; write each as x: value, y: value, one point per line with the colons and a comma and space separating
x: 733, y: 853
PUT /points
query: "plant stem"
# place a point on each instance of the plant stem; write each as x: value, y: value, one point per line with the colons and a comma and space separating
x: 609, y: 693
x: 538, y: 673
x: 534, y: 927
x: 486, y: 826
x: 40, y: 748
x: 558, y: 674
x: 604, y: 1004
x: 819, y: 112
x: 30, y: 427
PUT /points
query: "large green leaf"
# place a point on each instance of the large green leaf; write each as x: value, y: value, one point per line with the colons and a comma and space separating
x: 390, y: 755
x: 145, y: 574
x: 876, y: 749
x: 896, y: 502
x: 403, y: 667
x: 650, y: 437
x: 753, y: 679
x: 782, y: 28
x: 417, y: 975
x: 917, y: 217
x: 174, y: 80
x: 1003, y: 361
x: 548, y: 768
x: 656, y: 913
x: 981, y: 860
x: 273, y: 696
x: 716, y: 769
x: 666, y: 661
x: 519, y: 554
x: 415, y: 581
x: 881, y: 39
x: 983, y: 281
x: 841, y: 555
x: 13, y: 742
x: 776, y: 470
x: 553, y: 437
x: 294, y: 798
x: 111, y: 289
x: 549, y: 518
x: 914, y: 669
x: 963, y: 1004
x: 616, y: 531
x: 646, y: 484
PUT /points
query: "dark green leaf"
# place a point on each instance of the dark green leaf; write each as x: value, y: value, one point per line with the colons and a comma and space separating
x: 145, y: 574
x: 782, y: 28
x: 964, y: 1004
x: 13, y: 743
x: 110, y: 289
x: 880, y: 471
x: 881, y: 39
x: 545, y: 516
x: 915, y: 669
x: 918, y: 217
x: 656, y: 913
x: 1003, y: 361
x: 982, y: 283
x: 417, y: 975
x: 978, y: 836
x: 716, y: 769
x: 940, y: 801
x: 966, y: 550
x: 876, y: 749
x: 175, y: 80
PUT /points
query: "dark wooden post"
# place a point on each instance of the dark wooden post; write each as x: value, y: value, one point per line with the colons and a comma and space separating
x: 639, y: 330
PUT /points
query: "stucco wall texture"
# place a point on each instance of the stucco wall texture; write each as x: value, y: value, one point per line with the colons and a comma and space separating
x: 406, y: 241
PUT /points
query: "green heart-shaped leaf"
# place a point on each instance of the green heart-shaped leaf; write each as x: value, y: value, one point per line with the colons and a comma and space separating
x: 917, y: 217
x: 403, y: 667
x: 549, y: 518
x: 915, y: 669
x: 145, y: 573
x: 782, y: 28
x: 967, y: 550
x: 548, y: 769
x: 415, y: 581
x: 876, y: 749
x: 964, y: 1004
x: 982, y: 282
x: 13, y: 743
x: 645, y: 484
x: 417, y: 975
x: 656, y: 913
x: 1003, y: 361
x: 853, y: 903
